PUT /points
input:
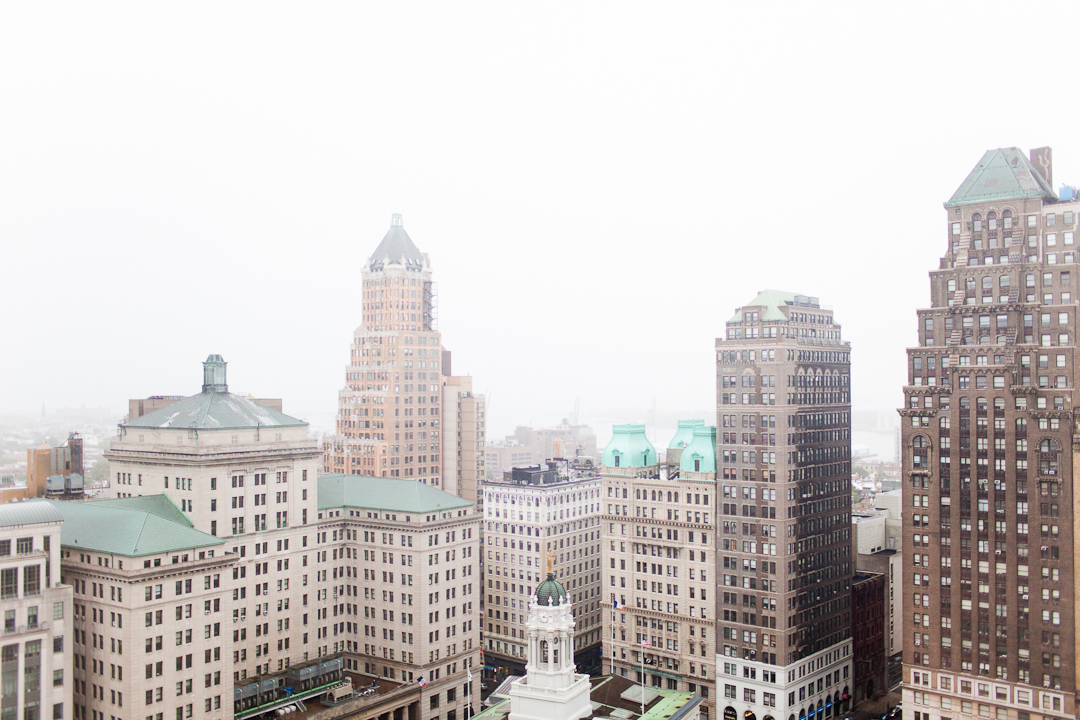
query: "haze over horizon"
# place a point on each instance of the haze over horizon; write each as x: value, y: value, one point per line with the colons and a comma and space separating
x: 598, y: 188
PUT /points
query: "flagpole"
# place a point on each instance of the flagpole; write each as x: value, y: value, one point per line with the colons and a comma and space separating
x: 643, y: 679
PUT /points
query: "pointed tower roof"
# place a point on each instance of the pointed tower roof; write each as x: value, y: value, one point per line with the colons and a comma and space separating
x: 396, y: 248
x: 1002, y: 174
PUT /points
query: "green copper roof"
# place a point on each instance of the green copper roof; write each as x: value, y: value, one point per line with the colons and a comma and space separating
x: 13, y: 514
x: 550, y: 592
x: 685, y: 433
x: 121, y: 527
x: 158, y: 504
x: 337, y: 490
x: 630, y: 446
x: 214, y: 411
x: 702, y: 448
x: 612, y: 696
x: 1002, y: 174
x: 771, y: 300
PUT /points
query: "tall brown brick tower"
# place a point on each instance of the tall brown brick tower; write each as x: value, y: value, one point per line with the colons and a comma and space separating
x: 987, y: 455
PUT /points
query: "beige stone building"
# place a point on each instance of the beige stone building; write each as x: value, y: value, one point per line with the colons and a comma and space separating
x: 392, y: 415
x: 659, y: 542
x: 537, y: 511
x: 36, y: 645
x: 463, y: 438
x: 153, y: 636
x: 320, y: 569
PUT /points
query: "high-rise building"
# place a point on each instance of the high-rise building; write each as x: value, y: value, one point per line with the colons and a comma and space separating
x: 378, y: 575
x: 784, y: 558
x: 36, y: 645
x: 536, y: 511
x: 393, y: 411
x: 659, y: 542
x: 990, y: 537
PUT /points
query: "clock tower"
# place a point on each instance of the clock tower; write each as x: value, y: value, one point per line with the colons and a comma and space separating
x: 550, y: 690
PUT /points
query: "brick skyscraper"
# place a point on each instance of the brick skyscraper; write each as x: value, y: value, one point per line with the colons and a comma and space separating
x: 394, y: 408
x: 784, y: 564
x: 987, y: 442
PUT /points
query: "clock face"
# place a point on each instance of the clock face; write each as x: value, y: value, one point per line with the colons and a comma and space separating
x: 544, y: 618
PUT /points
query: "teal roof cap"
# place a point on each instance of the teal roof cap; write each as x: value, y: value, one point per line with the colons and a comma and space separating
x: 1002, y: 174
x: 685, y: 433
x: 629, y: 448
x: 773, y: 300
x: 337, y: 490
x: 701, y: 449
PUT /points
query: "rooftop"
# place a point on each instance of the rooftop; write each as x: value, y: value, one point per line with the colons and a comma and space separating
x: 396, y: 248
x: 215, y: 408
x: 618, y: 697
x: 1002, y: 174
x: 131, y: 527
x: 14, y: 514
x: 338, y: 490
x: 772, y: 300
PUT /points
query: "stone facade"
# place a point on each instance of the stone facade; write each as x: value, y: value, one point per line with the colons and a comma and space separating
x: 37, y: 640
x: 989, y: 436
x: 523, y: 522
x: 659, y: 542
x: 784, y: 549
x: 391, y: 415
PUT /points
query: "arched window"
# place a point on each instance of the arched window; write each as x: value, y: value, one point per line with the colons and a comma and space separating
x: 1004, y: 281
x: 987, y: 282
x: 969, y: 283
x: 965, y: 403
x: 976, y: 222
x: 1048, y: 446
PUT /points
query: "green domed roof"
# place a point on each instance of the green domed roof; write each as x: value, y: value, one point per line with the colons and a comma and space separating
x: 629, y: 448
x: 685, y: 433
x: 701, y: 449
x: 550, y: 592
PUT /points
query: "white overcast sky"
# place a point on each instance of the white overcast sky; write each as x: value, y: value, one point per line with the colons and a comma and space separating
x: 599, y: 185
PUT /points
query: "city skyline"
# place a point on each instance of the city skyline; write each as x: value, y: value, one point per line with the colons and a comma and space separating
x: 629, y: 188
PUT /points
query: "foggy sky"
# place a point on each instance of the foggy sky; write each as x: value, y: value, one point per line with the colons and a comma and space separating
x: 598, y: 185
